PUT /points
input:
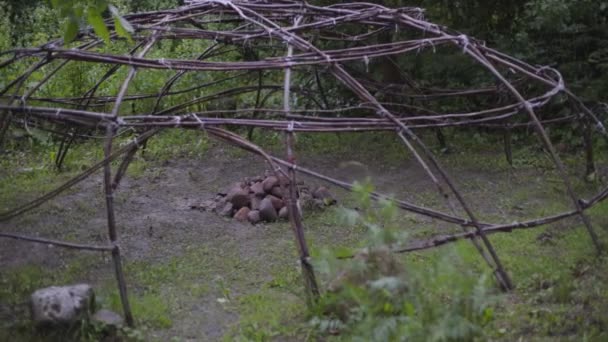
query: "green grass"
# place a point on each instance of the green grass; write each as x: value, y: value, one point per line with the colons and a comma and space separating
x: 172, y: 144
x: 261, y: 319
x: 18, y: 283
x: 151, y: 309
x: 561, y: 287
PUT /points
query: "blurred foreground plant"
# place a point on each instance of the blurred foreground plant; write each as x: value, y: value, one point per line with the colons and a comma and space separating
x: 377, y: 295
x: 94, y: 11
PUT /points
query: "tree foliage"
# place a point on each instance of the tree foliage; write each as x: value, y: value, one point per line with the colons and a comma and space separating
x: 570, y: 35
x: 94, y: 10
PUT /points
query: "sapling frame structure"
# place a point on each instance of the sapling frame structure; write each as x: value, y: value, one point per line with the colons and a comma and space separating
x: 325, y: 47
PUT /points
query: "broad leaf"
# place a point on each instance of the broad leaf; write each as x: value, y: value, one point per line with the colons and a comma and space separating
x: 71, y: 29
x: 122, y: 26
x: 125, y: 24
x: 95, y: 19
x: 100, y: 5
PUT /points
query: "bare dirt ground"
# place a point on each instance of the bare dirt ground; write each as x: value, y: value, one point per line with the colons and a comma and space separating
x: 203, y: 266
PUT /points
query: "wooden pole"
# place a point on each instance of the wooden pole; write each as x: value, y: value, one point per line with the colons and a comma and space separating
x: 109, y: 192
x: 289, y: 193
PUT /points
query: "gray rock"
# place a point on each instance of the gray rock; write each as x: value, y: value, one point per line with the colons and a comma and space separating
x: 255, y: 203
x: 239, y: 198
x: 269, y: 183
x: 277, y: 203
x: 241, y: 214
x: 283, y: 213
x: 227, y: 210
x: 108, y: 318
x: 284, y: 180
x: 62, y: 304
x: 267, y: 210
x: 233, y: 188
x: 258, y: 189
x: 254, y: 216
x: 277, y: 191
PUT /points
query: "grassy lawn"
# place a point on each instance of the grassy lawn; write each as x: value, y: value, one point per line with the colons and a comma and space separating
x: 251, y: 289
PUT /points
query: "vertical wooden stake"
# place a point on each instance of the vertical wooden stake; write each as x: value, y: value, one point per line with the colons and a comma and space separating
x: 310, y: 281
x: 588, y: 143
x: 107, y: 177
x: 443, y: 145
x: 507, y: 142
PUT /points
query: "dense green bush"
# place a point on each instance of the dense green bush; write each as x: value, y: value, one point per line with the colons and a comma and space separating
x: 381, y: 296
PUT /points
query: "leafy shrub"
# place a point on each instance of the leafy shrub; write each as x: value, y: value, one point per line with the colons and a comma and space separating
x: 378, y: 295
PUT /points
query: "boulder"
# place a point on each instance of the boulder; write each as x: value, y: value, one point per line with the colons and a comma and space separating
x: 234, y: 187
x: 284, y: 213
x: 269, y: 183
x: 255, y: 203
x: 239, y: 198
x: 323, y: 194
x: 284, y: 179
x: 258, y: 189
x: 241, y: 214
x: 254, y: 216
x: 227, y: 210
x: 267, y: 210
x: 62, y: 304
x: 277, y: 203
x: 277, y: 191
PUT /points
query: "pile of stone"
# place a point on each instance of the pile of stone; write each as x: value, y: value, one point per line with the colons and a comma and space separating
x: 260, y: 199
